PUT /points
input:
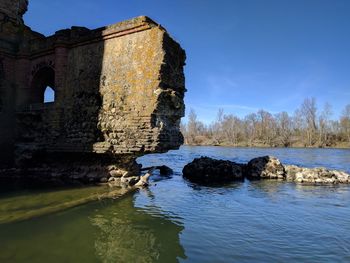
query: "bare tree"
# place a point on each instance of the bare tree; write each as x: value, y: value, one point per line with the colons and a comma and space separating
x: 309, y: 112
x: 345, y: 122
x: 324, y: 125
x: 231, y: 128
x: 305, y: 128
x: 284, y: 128
x: 183, y: 129
x: 266, y: 127
x: 216, y: 128
x: 250, y: 127
x: 192, y: 127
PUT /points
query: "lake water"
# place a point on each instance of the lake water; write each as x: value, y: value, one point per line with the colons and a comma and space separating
x: 176, y: 221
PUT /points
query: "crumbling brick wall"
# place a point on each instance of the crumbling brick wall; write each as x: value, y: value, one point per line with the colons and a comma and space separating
x: 119, y: 91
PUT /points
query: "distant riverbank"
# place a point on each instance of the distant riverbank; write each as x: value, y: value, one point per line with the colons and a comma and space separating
x: 296, y: 146
x: 307, y: 128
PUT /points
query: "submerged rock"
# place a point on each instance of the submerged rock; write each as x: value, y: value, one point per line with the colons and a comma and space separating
x: 206, y: 170
x: 165, y: 170
x: 265, y: 167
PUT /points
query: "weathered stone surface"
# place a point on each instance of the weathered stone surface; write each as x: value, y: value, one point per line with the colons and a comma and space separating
x: 116, y: 94
x: 265, y: 167
x: 206, y: 170
x: 318, y: 175
x: 119, y: 90
x: 13, y: 9
x: 88, y: 169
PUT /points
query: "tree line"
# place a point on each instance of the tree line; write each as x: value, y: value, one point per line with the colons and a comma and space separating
x: 307, y: 127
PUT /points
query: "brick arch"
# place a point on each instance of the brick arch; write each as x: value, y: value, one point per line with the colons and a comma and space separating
x: 42, y: 64
x: 44, y: 77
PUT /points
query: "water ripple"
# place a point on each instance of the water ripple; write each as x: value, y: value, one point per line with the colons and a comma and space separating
x: 257, y: 221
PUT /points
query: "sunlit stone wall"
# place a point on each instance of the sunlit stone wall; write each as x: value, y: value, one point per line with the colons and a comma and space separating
x: 119, y: 89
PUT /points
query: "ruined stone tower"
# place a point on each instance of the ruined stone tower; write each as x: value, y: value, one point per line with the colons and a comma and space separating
x: 118, y: 90
x: 13, y: 10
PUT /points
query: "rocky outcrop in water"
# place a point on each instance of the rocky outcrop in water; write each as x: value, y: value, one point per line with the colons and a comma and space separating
x: 266, y: 167
x: 315, y: 175
x: 206, y: 170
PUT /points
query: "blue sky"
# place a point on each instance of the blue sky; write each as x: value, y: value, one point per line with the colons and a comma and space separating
x: 242, y: 55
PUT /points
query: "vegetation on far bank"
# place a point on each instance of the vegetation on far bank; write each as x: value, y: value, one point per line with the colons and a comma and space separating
x: 307, y: 127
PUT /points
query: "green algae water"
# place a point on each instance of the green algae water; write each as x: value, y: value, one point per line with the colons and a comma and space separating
x: 176, y: 221
x: 19, y: 206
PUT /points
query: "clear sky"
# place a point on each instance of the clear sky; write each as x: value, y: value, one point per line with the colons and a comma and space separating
x: 242, y: 55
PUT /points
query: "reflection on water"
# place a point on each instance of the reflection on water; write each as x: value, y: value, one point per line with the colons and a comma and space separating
x: 107, y: 231
x: 175, y: 220
x: 135, y: 235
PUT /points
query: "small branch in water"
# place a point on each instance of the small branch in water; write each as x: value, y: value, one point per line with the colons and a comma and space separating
x: 143, y: 182
x: 163, y: 169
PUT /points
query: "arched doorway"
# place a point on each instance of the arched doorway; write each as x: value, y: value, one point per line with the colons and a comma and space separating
x: 43, y: 86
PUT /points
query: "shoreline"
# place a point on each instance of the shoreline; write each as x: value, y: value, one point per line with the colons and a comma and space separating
x: 268, y: 147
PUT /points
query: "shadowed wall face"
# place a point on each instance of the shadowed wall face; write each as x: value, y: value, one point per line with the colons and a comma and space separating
x: 12, y: 32
x: 13, y: 9
x: 118, y: 90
